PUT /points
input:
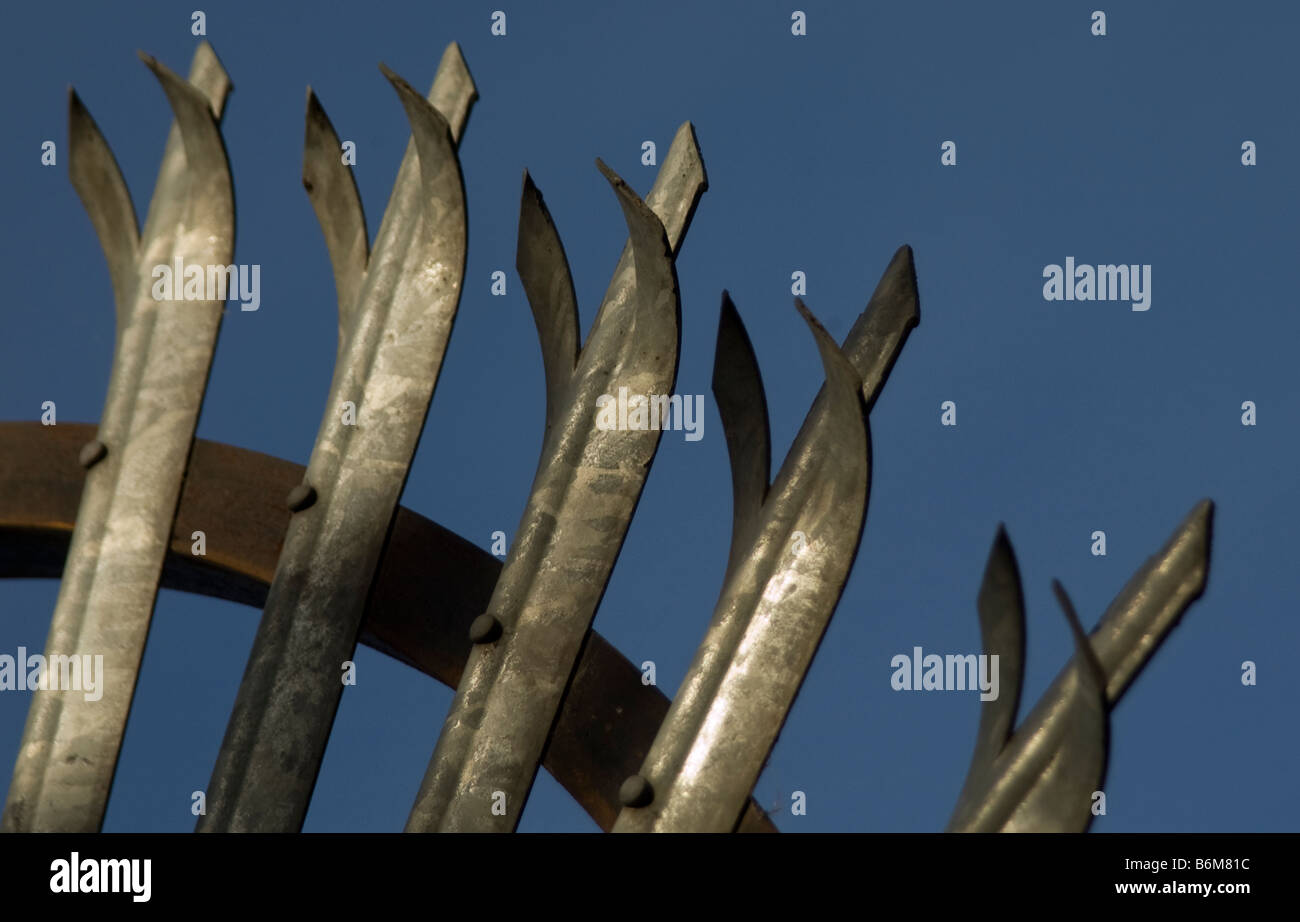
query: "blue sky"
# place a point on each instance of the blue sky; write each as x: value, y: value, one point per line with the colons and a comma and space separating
x: 823, y: 155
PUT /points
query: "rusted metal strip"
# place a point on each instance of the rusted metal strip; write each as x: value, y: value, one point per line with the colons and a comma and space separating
x: 608, y: 718
x: 1041, y: 777
x: 163, y: 353
x: 585, y: 492
x: 792, y: 548
x: 395, y: 320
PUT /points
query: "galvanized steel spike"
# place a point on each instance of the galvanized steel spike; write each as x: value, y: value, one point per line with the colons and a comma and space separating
x: 585, y: 492
x: 163, y: 352
x: 1042, y: 777
x: 396, y: 309
x: 792, y: 548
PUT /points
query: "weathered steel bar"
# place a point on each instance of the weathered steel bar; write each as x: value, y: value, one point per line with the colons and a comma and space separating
x: 791, y: 551
x: 608, y: 718
x: 585, y: 492
x: 70, y: 745
x: 1041, y: 777
x: 395, y: 321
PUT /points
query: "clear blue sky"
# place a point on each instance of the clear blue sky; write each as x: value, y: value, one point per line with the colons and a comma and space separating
x: 823, y: 155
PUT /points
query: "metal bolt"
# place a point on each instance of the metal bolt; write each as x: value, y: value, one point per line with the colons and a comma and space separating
x: 636, y: 792
x: 92, y: 453
x: 485, y: 628
x: 301, y: 497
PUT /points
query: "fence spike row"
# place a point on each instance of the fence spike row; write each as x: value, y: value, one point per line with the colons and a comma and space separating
x: 396, y: 314
x: 585, y: 492
x: 1042, y: 777
x: 163, y: 352
x: 336, y: 560
x: 792, y: 549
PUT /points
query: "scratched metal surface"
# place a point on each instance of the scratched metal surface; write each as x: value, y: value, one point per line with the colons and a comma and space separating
x: 792, y: 548
x: 583, y: 498
x: 396, y: 309
x: 162, y: 356
x: 1041, y: 777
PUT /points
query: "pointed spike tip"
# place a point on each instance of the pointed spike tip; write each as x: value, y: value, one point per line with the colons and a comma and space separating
x: 614, y: 179
x: 455, y: 57
x: 1095, y: 674
x: 1067, y: 606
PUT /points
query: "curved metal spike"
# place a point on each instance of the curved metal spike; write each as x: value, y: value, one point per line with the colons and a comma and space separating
x: 544, y: 271
x: 1040, y: 781
x: 210, y: 194
x: 167, y: 208
x: 388, y: 367
x: 588, y: 482
x: 98, y: 180
x: 652, y: 316
x: 1002, y: 627
x: 676, y: 193
x: 774, y: 609
x: 332, y: 189
x: 742, y: 407
x: 163, y: 352
x: 1061, y: 768
x: 436, y: 149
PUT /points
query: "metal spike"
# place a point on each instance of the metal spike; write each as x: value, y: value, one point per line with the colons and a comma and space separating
x: 586, y: 489
x: 1041, y: 779
x: 98, y: 180
x: 334, y: 197
x: 742, y: 405
x: 70, y: 746
x: 1002, y: 626
x: 393, y: 347
x: 544, y: 271
x: 774, y: 607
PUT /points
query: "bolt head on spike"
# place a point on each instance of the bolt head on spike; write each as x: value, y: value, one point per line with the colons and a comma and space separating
x: 301, y: 497
x: 636, y: 792
x: 92, y: 453
x: 485, y: 628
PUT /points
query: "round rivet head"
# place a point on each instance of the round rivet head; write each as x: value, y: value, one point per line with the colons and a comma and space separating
x: 92, y: 453
x: 484, y: 629
x: 636, y: 792
x: 301, y: 496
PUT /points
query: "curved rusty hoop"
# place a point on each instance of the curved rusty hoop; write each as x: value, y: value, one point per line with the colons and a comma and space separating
x: 609, y: 718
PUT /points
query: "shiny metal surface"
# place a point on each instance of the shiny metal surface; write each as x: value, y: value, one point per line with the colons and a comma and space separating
x: 607, y: 720
x: 396, y: 308
x: 585, y: 492
x: 163, y: 353
x: 792, y: 547
x: 1041, y: 778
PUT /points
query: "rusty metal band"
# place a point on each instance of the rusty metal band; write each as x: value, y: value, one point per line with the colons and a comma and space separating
x: 606, y: 723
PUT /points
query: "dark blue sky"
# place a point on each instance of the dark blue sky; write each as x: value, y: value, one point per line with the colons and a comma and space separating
x: 823, y: 156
